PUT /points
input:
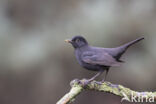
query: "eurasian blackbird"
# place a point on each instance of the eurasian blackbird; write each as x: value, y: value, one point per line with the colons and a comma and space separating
x: 97, y: 58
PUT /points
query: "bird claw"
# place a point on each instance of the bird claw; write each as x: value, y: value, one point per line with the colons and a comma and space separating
x: 103, y: 81
x: 99, y: 83
x: 85, y: 81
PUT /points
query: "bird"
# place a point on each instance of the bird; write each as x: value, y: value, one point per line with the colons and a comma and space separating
x: 98, y: 59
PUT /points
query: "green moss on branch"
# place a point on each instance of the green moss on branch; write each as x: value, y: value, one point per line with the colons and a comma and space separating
x: 119, y: 90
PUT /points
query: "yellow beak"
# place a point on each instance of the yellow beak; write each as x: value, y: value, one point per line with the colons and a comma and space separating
x: 68, y: 40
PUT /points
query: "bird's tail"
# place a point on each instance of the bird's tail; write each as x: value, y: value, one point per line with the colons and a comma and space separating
x: 127, y: 45
x: 124, y: 47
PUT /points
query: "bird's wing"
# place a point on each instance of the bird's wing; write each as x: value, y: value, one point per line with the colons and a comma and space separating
x: 99, y: 58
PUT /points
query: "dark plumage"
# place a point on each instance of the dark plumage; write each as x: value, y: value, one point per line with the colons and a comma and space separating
x: 96, y: 58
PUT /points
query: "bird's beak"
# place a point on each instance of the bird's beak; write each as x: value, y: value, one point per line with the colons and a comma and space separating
x: 68, y: 40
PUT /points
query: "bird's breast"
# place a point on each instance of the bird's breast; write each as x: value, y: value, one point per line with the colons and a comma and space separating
x: 78, y: 57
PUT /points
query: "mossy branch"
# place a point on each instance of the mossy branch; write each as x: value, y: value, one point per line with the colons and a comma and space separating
x: 119, y: 90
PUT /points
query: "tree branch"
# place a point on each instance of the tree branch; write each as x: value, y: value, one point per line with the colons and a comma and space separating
x: 127, y: 94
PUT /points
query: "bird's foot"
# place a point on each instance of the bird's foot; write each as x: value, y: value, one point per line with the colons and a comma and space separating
x: 85, y: 81
x: 99, y: 82
x: 103, y: 81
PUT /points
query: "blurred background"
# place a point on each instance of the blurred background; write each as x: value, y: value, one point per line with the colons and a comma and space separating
x: 36, y: 65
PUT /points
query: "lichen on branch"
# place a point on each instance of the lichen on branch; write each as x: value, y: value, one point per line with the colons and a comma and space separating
x: 125, y: 93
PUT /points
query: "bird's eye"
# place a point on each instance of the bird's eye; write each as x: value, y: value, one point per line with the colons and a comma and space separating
x: 77, y: 40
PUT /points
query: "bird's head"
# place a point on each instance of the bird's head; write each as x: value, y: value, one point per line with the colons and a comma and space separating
x: 77, y: 41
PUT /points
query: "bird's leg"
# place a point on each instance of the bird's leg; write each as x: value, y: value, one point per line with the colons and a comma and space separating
x: 96, y: 75
x: 103, y: 80
x: 91, y: 79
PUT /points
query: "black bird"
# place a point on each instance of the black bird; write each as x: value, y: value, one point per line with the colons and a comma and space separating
x: 97, y: 58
